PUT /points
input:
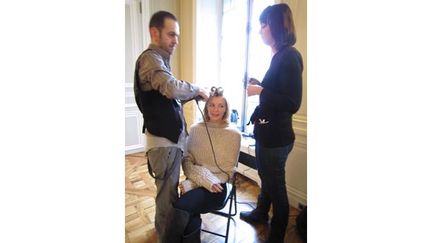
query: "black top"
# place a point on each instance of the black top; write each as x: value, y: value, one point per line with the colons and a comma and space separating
x: 279, y: 100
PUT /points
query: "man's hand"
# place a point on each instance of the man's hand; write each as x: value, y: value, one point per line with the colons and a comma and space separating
x: 203, y: 94
x: 216, y: 188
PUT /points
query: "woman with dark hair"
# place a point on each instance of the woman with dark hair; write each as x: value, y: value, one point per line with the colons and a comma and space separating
x: 280, y: 95
x: 212, y: 152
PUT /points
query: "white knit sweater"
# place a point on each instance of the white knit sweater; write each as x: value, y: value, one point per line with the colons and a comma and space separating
x: 199, y: 164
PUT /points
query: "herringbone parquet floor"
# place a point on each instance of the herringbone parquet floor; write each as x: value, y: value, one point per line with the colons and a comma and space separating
x: 140, y: 209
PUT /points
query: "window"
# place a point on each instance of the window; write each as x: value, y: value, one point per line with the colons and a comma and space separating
x: 228, y: 54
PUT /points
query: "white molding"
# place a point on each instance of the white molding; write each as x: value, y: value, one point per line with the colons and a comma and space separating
x: 136, y: 28
x: 300, y: 131
x: 300, y: 118
x: 296, y: 192
x: 131, y: 106
x: 145, y: 20
x: 133, y: 149
x: 300, y: 144
x: 294, y: 201
x: 295, y: 197
x: 130, y: 95
x: 132, y: 112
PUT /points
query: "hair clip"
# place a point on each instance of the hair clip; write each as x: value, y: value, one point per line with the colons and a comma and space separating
x: 216, y: 91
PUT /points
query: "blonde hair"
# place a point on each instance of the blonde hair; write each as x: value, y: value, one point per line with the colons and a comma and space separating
x: 216, y: 92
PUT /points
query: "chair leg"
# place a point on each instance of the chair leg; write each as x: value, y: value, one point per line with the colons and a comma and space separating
x: 235, y: 203
x: 229, y: 215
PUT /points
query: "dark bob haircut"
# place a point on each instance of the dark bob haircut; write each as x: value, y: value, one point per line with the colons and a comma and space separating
x: 280, y: 20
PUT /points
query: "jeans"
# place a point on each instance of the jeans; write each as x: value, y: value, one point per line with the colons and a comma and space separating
x: 271, y: 170
x: 198, y: 201
x: 165, y: 164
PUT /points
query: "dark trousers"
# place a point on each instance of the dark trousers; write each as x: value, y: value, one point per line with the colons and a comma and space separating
x: 198, y: 201
x: 271, y: 170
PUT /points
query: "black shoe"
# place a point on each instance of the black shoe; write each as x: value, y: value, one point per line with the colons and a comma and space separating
x: 275, y: 235
x: 273, y: 240
x: 253, y: 217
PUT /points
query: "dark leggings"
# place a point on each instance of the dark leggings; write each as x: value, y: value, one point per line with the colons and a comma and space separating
x: 198, y: 201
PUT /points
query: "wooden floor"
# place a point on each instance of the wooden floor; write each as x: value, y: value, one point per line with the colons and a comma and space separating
x: 140, y: 209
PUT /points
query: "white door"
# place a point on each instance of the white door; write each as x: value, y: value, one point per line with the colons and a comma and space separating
x: 134, y: 139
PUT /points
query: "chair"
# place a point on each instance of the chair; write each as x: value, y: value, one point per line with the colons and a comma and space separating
x: 231, y: 198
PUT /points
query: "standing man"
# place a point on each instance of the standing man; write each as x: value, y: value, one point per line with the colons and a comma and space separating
x: 158, y: 94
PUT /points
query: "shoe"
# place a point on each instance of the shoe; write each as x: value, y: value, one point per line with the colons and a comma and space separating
x: 253, y: 217
x: 195, y: 235
x: 275, y: 236
x: 176, y: 224
x: 270, y: 240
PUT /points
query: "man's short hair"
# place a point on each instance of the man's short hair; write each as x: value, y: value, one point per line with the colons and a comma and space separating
x: 158, y: 18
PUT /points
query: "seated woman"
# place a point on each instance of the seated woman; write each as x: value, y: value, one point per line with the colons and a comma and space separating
x: 205, y: 188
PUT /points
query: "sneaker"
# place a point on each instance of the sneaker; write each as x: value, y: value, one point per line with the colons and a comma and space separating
x: 254, y: 217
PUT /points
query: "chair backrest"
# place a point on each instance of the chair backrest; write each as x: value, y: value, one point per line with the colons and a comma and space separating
x: 230, y: 193
x: 230, y: 198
